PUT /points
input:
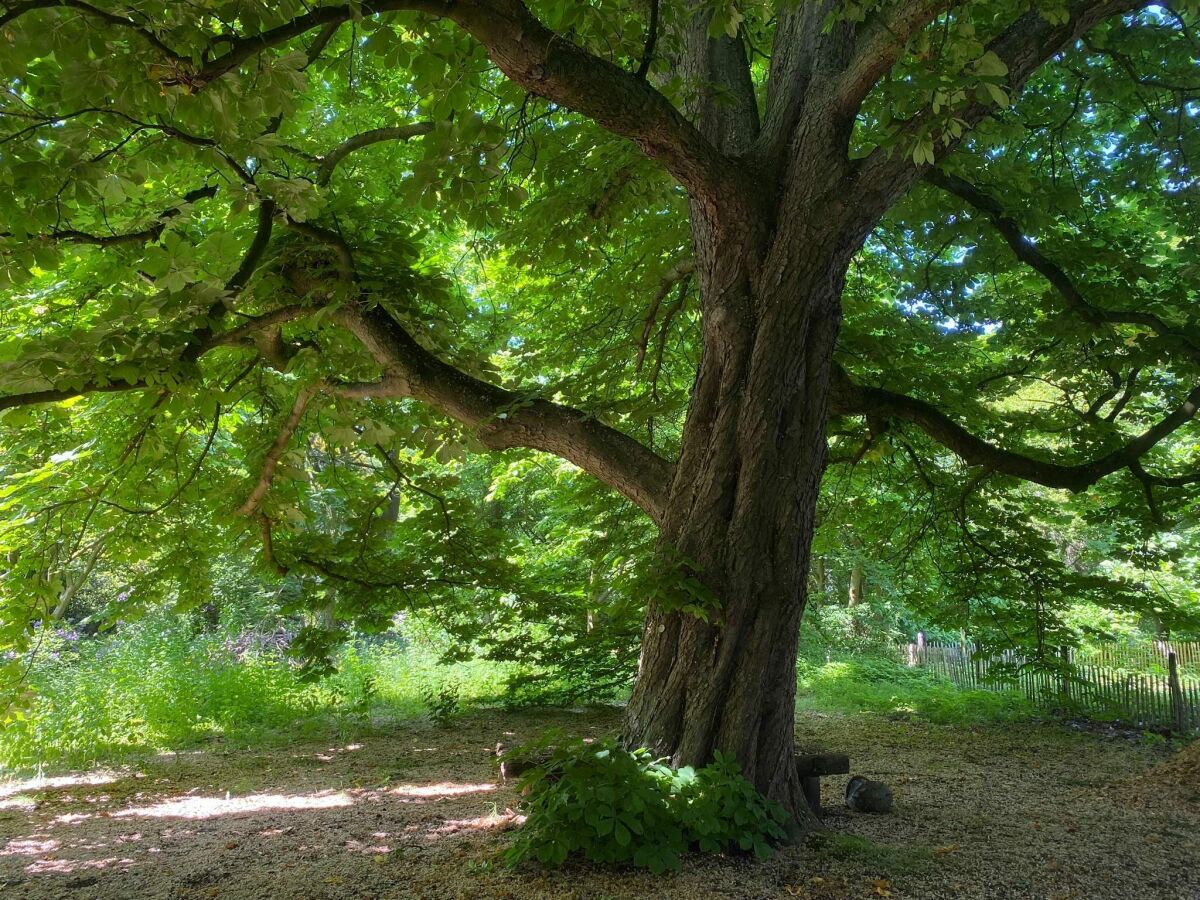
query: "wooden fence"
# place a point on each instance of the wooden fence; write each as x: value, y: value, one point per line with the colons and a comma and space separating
x: 1146, y: 686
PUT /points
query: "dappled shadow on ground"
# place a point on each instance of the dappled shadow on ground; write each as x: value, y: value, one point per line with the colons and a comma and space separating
x: 416, y: 812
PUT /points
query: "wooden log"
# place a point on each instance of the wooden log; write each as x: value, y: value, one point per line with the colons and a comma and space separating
x: 814, y: 765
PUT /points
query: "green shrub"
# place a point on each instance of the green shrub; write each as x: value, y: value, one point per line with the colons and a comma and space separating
x: 442, y: 701
x: 615, y: 806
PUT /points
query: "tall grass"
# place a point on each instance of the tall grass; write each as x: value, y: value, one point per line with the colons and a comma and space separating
x: 880, y: 685
x: 162, y: 684
x: 158, y: 685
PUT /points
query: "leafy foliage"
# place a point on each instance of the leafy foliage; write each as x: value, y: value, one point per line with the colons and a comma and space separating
x: 162, y: 684
x: 883, y: 686
x: 617, y: 806
x: 442, y: 700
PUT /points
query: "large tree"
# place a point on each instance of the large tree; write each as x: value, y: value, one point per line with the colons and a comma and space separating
x: 208, y: 200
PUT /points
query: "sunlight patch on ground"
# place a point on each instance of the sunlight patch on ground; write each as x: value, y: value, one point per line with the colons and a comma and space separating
x: 12, y: 788
x: 443, y: 789
x: 369, y: 849
x: 211, y: 807
x: 28, y: 847
x: 331, y: 753
x: 495, y: 822
x: 68, y: 866
x: 70, y: 818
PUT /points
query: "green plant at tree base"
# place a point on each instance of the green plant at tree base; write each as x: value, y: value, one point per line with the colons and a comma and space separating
x: 617, y: 806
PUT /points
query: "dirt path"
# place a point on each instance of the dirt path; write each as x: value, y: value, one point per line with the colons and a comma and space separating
x: 1031, y: 811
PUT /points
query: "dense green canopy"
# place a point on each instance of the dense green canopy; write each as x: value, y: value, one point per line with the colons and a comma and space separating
x: 212, y: 213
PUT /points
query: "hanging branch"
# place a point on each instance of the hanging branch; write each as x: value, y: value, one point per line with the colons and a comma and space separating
x: 651, y: 41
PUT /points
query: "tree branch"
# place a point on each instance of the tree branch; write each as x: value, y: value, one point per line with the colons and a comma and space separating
x: 879, y: 43
x: 651, y: 41
x: 1027, y: 44
x: 366, y: 139
x: 848, y: 398
x: 278, y: 448
x: 19, y: 9
x: 682, y: 270
x: 1032, y: 256
x: 503, y: 419
x: 546, y: 64
x: 258, y: 246
x: 243, y: 335
x: 142, y: 236
x: 56, y: 395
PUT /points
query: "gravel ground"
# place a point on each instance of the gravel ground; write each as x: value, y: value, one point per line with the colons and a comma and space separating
x: 415, y: 811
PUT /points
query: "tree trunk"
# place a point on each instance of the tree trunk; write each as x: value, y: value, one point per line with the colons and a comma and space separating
x: 857, y: 586
x: 771, y: 263
x: 73, y: 582
x: 741, y: 518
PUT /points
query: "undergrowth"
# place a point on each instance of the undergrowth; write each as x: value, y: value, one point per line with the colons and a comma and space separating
x: 157, y: 685
x: 616, y: 806
x: 161, y: 683
x: 880, y: 685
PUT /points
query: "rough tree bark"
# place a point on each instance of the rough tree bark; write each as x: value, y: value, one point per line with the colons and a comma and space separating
x: 741, y: 512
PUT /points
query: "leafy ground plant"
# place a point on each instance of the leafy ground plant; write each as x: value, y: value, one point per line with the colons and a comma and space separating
x: 443, y: 701
x: 157, y: 684
x: 617, y: 806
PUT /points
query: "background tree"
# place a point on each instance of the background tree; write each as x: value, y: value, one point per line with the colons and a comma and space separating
x: 316, y: 245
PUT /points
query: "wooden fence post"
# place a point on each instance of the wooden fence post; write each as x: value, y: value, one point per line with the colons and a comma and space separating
x: 921, y: 647
x: 1064, y: 680
x: 1178, y: 713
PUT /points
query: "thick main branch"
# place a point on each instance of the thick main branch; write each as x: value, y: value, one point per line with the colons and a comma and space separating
x: 504, y: 419
x: 849, y: 398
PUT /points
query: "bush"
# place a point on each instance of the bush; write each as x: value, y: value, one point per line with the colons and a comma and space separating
x: 442, y: 701
x: 615, y: 806
x: 721, y: 810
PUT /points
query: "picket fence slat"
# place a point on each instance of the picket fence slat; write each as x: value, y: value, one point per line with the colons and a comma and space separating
x: 1127, y: 682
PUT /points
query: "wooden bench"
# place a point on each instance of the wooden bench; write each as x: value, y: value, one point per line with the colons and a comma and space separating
x: 813, y: 767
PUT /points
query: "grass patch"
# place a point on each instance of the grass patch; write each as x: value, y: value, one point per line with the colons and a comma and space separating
x: 888, y: 687
x: 885, y: 859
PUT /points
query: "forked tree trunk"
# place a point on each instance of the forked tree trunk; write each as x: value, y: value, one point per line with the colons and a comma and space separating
x: 771, y: 261
x: 741, y: 518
